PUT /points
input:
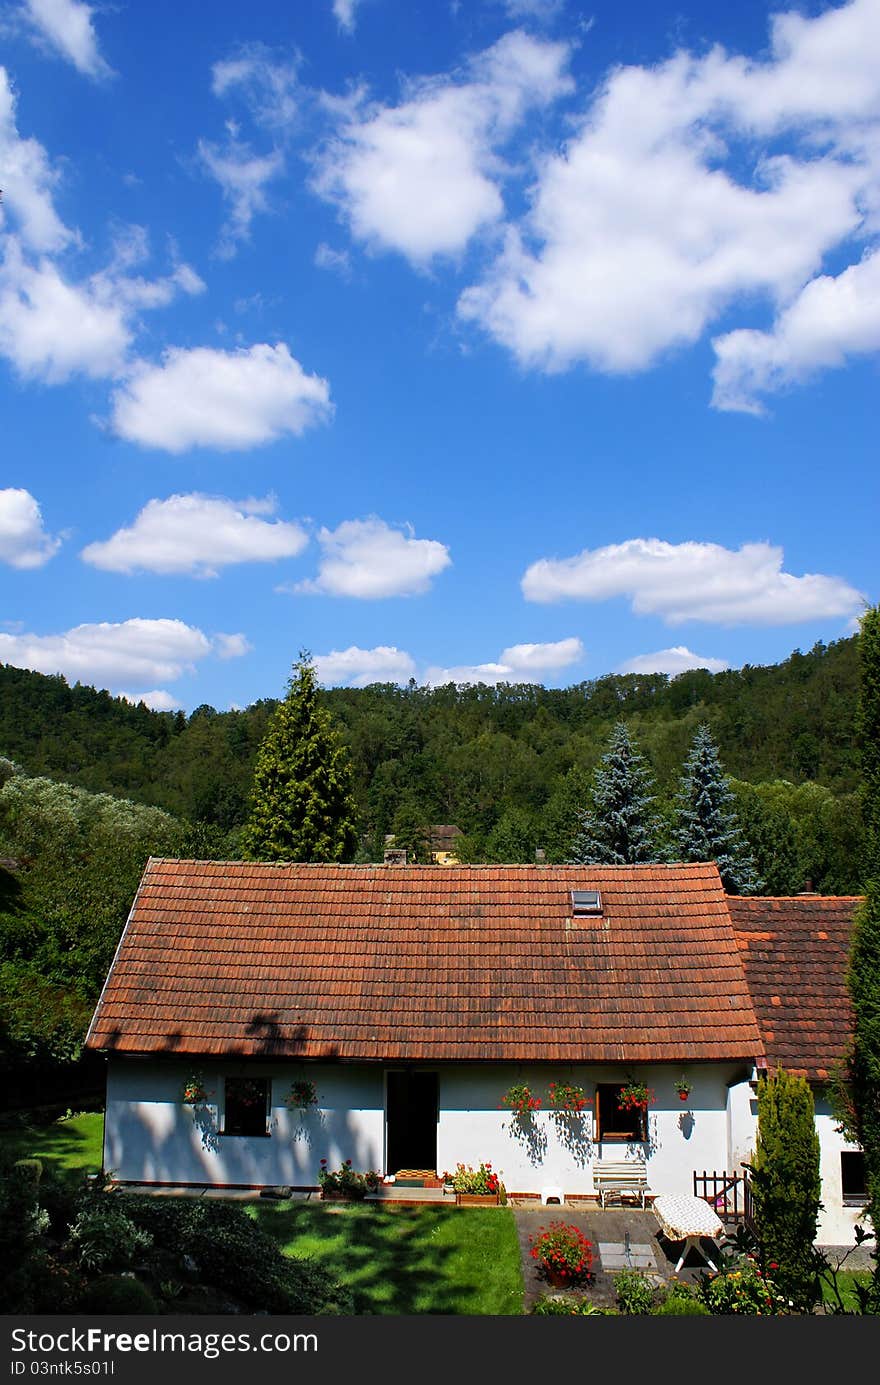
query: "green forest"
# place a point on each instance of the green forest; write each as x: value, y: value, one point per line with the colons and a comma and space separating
x: 91, y: 785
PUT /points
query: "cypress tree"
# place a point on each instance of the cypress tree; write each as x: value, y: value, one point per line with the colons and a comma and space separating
x: 864, y: 965
x: 786, y: 1184
x: 707, y: 828
x: 301, y: 804
x: 619, y: 828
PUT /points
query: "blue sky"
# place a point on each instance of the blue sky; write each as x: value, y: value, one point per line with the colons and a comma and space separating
x: 499, y: 340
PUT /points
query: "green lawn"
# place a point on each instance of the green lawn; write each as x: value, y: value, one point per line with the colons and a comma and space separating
x: 846, y: 1281
x: 73, y: 1145
x: 408, y: 1259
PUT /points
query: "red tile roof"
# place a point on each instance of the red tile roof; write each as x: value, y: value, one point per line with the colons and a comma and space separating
x: 795, y: 951
x: 419, y: 963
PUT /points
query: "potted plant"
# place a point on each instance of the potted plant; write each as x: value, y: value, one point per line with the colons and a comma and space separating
x: 520, y: 1100
x: 565, y: 1096
x: 302, y: 1094
x: 475, y: 1187
x: 683, y: 1087
x: 563, y: 1252
x: 634, y: 1096
x: 194, y: 1090
x: 344, y: 1184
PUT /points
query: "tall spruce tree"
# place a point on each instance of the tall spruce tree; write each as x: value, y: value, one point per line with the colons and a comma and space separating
x: 619, y: 827
x: 301, y: 804
x: 786, y: 1184
x: 864, y: 965
x: 707, y: 827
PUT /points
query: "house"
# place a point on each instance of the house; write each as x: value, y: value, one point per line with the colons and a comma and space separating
x: 414, y: 998
x: 795, y: 953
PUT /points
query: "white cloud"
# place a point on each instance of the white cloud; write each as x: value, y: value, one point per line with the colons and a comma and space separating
x: 662, y: 210
x: 197, y: 534
x: 421, y: 177
x: 831, y: 320
x: 267, y: 84
x: 368, y: 559
x: 344, y: 14
x: 108, y: 654
x: 242, y: 176
x: 676, y: 660
x: 229, y: 400
x: 66, y: 25
x: 24, y: 542
x: 693, y: 581
x: 357, y: 668
x: 517, y: 664
x: 337, y: 260
x: 159, y: 700
x: 232, y: 646
x: 532, y: 9
x: 28, y: 180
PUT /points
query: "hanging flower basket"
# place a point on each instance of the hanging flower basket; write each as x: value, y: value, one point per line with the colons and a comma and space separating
x: 568, y: 1097
x: 520, y: 1100
x: 635, y: 1096
x: 301, y: 1096
x: 683, y: 1087
x: 194, y: 1091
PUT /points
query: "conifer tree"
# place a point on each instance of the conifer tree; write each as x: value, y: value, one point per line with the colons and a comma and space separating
x: 301, y: 804
x: 786, y: 1184
x: 864, y: 965
x: 619, y: 828
x: 707, y: 828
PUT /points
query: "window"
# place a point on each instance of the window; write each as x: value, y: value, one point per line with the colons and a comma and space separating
x: 612, y: 1123
x: 852, y: 1178
x: 247, y: 1106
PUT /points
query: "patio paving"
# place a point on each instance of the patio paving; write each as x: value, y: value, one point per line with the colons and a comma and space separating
x: 611, y: 1231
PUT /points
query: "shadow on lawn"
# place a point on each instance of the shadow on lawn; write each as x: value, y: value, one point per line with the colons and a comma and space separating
x: 72, y: 1149
x: 397, y: 1259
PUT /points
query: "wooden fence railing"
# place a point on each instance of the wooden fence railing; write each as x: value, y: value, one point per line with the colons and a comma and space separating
x: 730, y: 1194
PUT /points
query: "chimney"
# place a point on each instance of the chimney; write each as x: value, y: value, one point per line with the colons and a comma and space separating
x: 540, y: 856
x: 394, y: 856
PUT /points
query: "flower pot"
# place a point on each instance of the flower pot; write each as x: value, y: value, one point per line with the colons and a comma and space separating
x: 476, y: 1199
x: 683, y: 1096
x: 557, y: 1279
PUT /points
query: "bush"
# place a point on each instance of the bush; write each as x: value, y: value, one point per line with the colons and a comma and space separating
x: 635, y: 1292
x: 117, y: 1293
x: 346, y: 1180
x: 564, y: 1250
x: 676, y: 1306
x: 744, y: 1291
x: 570, y: 1308
x: 104, y: 1236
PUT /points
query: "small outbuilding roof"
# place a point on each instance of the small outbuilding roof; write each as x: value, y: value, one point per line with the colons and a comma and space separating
x: 795, y: 951
x: 416, y: 964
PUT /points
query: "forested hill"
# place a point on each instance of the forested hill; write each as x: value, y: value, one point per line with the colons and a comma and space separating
x: 467, y: 755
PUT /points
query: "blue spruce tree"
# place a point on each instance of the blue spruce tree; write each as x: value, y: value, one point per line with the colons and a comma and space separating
x: 707, y: 828
x: 619, y: 828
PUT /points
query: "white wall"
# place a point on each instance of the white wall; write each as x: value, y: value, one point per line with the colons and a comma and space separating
x: 836, y: 1222
x: 150, y: 1136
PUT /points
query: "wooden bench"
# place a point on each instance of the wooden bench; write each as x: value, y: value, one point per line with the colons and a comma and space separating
x: 622, y: 1178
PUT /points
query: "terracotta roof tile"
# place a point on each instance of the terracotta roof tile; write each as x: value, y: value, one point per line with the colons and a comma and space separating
x: 428, y: 963
x: 795, y: 951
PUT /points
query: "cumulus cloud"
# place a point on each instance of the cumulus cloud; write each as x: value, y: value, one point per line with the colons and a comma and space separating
x: 344, y: 14
x: 678, y: 659
x: 158, y: 700
x: 66, y: 26
x: 369, y: 559
x: 519, y: 663
x: 28, y: 181
x: 356, y: 668
x: 242, y: 176
x: 830, y: 320
x: 693, y: 581
x: 112, y: 654
x: 24, y: 542
x: 229, y: 400
x: 671, y: 202
x: 198, y: 535
x: 231, y: 646
x: 421, y: 177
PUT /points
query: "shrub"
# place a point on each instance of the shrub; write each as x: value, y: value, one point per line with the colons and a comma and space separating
x: 570, y: 1308
x: 745, y: 1291
x: 117, y: 1293
x: 346, y: 1180
x: 467, y: 1179
x: 562, y: 1249
x: 635, y: 1292
x: 676, y: 1306
x: 104, y: 1237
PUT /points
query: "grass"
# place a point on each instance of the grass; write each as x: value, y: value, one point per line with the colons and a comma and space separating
x: 846, y: 1282
x: 408, y: 1259
x: 73, y: 1145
